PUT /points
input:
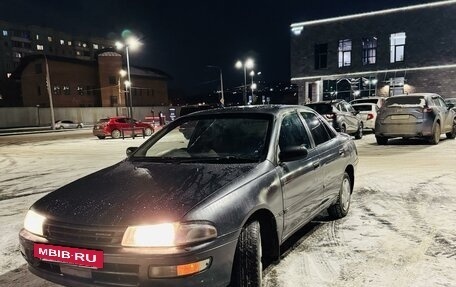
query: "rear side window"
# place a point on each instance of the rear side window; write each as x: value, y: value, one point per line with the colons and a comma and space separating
x: 317, y: 128
x: 293, y: 133
x: 322, y: 109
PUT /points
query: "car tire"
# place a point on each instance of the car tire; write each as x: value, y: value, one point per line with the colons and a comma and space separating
x: 452, y: 133
x: 61, y: 128
x: 342, y: 205
x: 381, y: 140
x: 101, y: 137
x: 435, y: 138
x: 148, y: 131
x: 79, y: 127
x: 115, y: 134
x: 359, y: 132
x: 247, y: 265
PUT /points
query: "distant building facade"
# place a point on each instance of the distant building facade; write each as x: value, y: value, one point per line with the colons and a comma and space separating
x: 83, y: 71
x: 382, y: 53
x: 88, y: 83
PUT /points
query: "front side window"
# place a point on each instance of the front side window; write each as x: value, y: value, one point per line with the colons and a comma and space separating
x: 317, y: 129
x: 369, y: 50
x: 321, y: 56
x: 293, y: 133
x: 345, y: 48
x: 397, y: 47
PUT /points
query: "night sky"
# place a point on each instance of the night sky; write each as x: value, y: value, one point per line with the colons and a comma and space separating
x: 183, y: 37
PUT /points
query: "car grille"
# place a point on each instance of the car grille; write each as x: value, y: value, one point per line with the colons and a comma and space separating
x: 110, y: 275
x: 83, y: 235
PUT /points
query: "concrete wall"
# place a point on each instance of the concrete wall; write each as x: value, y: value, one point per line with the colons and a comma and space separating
x: 32, y: 116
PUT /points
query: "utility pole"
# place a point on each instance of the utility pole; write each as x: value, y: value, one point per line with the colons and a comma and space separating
x: 48, y: 86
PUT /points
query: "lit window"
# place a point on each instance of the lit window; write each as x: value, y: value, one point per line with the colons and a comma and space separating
x: 8, y: 75
x: 56, y: 90
x: 37, y: 37
x: 95, y: 46
x: 5, y: 33
x: 369, y: 50
x: 17, y: 55
x: 66, y: 90
x: 84, y: 45
x: 62, y: 42
x: 78, y: 44
x: 40, y: 47
x: 345, y: 47
x: 69, y: 43
x: 397, y: 47
x: 80, y: 91
x: 78, y: 53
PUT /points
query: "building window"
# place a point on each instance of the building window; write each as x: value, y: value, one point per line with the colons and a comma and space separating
x: 345, y: 47
x: 112, y: 80
x: 95, y: 46
x: 17, y: 55
x: 84, y: 45
x: 78, y: 43
x: 56, y: 90
x: 114, y: 101
x: 396, y: 86
x: 62, y: 42
x: 369, y: 50
x: 69, y: 43
x: 80, y: 91
x: 8, y: 75
x: 88, y: 90
x: 37, y: 37
x: 38, y: 68
x: 397, y: 42
x: 38, y: 90
x: 66, y: 90
x: 86, y: 53
x: 5, y: 33
x: 40, y: 47
x: 321, y: 56
x: 78, y: 53
x: 49, y: 38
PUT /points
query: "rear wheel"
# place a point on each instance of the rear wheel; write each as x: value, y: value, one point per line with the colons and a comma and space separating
x: 359, y: 132
x: 341, y: 207
x: 148, y: 131
x: 435, y: 138
x: 381, y: 140
x: 247, y: 266
x: 452, y: 134
x: 115, y: 134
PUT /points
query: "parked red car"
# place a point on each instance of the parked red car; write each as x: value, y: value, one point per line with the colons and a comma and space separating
x: 116, y: 126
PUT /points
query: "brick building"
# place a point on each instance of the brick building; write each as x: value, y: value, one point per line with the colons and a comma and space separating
x: 381, y: 53
x: 88, y: 83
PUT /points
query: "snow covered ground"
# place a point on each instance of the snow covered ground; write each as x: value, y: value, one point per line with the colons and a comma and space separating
x: 400, y: 230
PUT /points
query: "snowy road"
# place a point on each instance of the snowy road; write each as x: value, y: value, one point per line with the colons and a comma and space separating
x: 400, y: 230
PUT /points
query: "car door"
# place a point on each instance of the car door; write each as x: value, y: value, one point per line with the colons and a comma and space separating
x: 332, y: 155
x: 300, y: 179
x: 446, y: 115
x: 352, y: 117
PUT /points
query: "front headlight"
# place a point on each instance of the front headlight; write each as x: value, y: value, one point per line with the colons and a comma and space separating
x: 33, y: 222
x: 168, y: 234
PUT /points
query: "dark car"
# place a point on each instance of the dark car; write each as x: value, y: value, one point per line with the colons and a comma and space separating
x: 115, y: 127
x: 68, y: 124
x: 424, y: 115
x: 202, y: 209
x: 341, y: 115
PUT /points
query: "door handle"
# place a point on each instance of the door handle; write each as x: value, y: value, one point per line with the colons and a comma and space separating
x: 316, y: 165
x: 341, y: 151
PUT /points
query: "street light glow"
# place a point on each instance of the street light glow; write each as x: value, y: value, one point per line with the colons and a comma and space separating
x: 123, y: 73
x: 253, y: 86
x: 133, y: 43
x: 127, y: 83
x: 252, y: 73
x: 238, y: 64
x: 119, y: 45
x: 249, y: 63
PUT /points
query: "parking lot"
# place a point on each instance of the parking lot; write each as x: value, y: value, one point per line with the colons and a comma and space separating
x: 400, y: 230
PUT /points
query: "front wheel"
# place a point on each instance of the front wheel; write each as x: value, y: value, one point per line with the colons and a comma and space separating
x: 342, y: 205
x: 148, y: 131
x: 359, y: 132
x: 115, y: 134
x: 247, y: 266
x: 452, y: 134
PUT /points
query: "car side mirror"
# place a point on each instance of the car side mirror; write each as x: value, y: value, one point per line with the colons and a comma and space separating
x: 131, y: 150
x: 450, y: 106
x: 293, y: 153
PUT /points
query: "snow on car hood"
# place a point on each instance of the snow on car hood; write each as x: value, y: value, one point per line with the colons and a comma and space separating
x: 138, y: 192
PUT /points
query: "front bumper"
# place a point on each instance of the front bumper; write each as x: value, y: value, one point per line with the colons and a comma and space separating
x: 130, y: 266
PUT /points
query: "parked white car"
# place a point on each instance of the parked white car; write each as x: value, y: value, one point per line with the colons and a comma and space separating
x: 368, y: 114
x: 67, y: 124
x: 370, y: 100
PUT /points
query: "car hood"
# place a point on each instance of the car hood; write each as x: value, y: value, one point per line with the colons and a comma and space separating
x: 133, y: 193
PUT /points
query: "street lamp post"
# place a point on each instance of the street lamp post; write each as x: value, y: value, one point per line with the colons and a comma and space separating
x: 248, y: 64
x: 132, y: 43
x: 222, y: 99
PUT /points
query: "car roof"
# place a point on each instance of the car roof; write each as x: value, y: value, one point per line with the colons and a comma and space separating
x: 327, y: 102
x: 416, y: 95
x: 254, y: 109
x: 364, y: 104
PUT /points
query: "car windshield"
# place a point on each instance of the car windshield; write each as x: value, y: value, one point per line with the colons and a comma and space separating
x: 406, y: 101
x: 210, y: 139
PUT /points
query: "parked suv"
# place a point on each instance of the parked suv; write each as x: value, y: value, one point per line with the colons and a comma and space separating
x: 423, y: 115
x: 342, y: 116
x: 379, y: 101
x: 116, y: 126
